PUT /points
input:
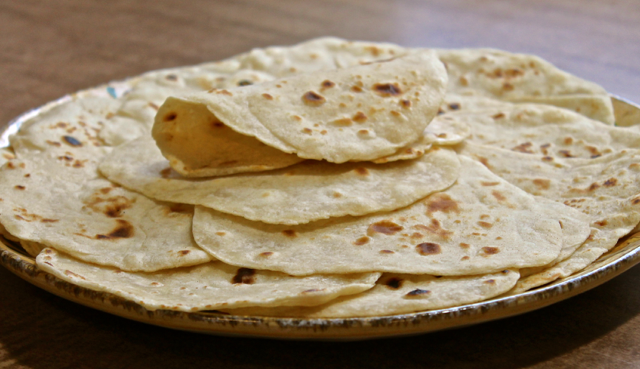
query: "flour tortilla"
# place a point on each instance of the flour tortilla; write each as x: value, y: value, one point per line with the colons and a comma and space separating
x: 358, y: 113
x: 603, y: 188
x: 482, y: 224
x: 547, y: 130
x: 400, y: 294
x: 207, y: 286
x: 52, y: 195
x: 523, y: 78
x: 312, y: 189
x: 205, y: 147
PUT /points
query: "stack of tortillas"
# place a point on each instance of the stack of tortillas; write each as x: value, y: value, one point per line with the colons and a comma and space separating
x: 326, y: 179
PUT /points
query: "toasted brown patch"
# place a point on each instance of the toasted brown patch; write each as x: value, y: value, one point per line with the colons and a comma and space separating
x: 435, y: 228
x: 610, y: 182
x: 568, y: 140
x: 361, y: 241
x: 428, y: 248
x: 524, y: 147
x: 359, y: 117
x: 454, y: 106
x: 362, y: 171
x: 72, y: 274
x: 183, y: 252
x: 498, y: 116
x: 490, y: 281
x: 489, y: 250
x: 313, y: 98
x: 387, y: 89
x: 244, y: 276
x: 343, y: 122
x: 356, y: 89
x: 221, y: 233
x: 386, y: 252
x: 542, y: 183
x: 499, y: 196
x: 464, y: 245
x: 267, y: 96
x: 385, y: 227
x: 327, y: 84
x: 170, y: 116
x: 19, y: 187
x: 290, y: 233
x: 489, y: 183
x: 441, y: 202
x: 484, y: 224
x: 405, y: 104
x: 565, y: 153
x: 123, y: 229
x: 266, y: 254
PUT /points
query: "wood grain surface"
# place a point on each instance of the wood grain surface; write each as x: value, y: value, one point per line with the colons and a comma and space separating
x: 50, y: 48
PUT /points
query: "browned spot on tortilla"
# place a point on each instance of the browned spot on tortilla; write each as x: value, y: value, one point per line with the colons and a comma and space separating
x: 386, y: 252
x: 435, y: 229
x: 224, y: 92
x: 454, y: 106
x: 327, y: 84
x: 356, y: 88
x: 498, y: 116
x: 635, y: 201
x: 601, y: 223
x: 46, y: 220
x: 153, y: 106
x: 561, y: 225
x: 110, y: 206
x: 19, y: 187
x: 312, y: 98
x: 343, y: 122
x: 359, y: 117
x: 363, y: 131
x: 489, y: 250
x: 499, y: 196
x: 79, y: 163
x: 324, y: 132
x: 464, y: 245
x: 428, y: 248
x: 53, y: 143
x: 307, y: 131
x: 290, y: 233
x: 394, y: 283
x: 484, y: 161
x: 361, y: 241
x: 568, y: 140
x: 221, y: 233
x: 124, y: 229
x: 490, y: 281
x: 441, y: 202
x: 634, y: 165
x: 417, y: 234
x: 267, y: 96
x: 170, y: 116
x: 542, y: 183
x: 507, y: 86
x: 165, y: 173
x: 610, y: 182
x: 385, y: 227
x: 489, y: 183
x: 72, y: 274
x: 405, y: 103
x: 440, y: 111
x: 484, y: 224
x: 387, y: 89
x: 184, y: 252
x: 417, y: 292
x: 465, y: 258
x: 547, y: 158
x: 524, y: 147
x: 244, y: 275
x: 565, y: 153
x: 336, y: 194
x: 266, y: 254
x: 464, y: 81
x: 594, y: 186
x: 361, y: 171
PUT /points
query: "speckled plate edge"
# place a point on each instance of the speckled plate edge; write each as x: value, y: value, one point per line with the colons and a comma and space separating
x: 625, y: 255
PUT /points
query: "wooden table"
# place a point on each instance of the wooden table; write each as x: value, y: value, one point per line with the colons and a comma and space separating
x: 52, y: 48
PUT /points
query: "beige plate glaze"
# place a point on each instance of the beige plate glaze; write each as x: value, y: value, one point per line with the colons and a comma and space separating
x: 625, y: 255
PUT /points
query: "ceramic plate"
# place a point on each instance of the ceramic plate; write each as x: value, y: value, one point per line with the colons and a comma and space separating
x: 625, y: 255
